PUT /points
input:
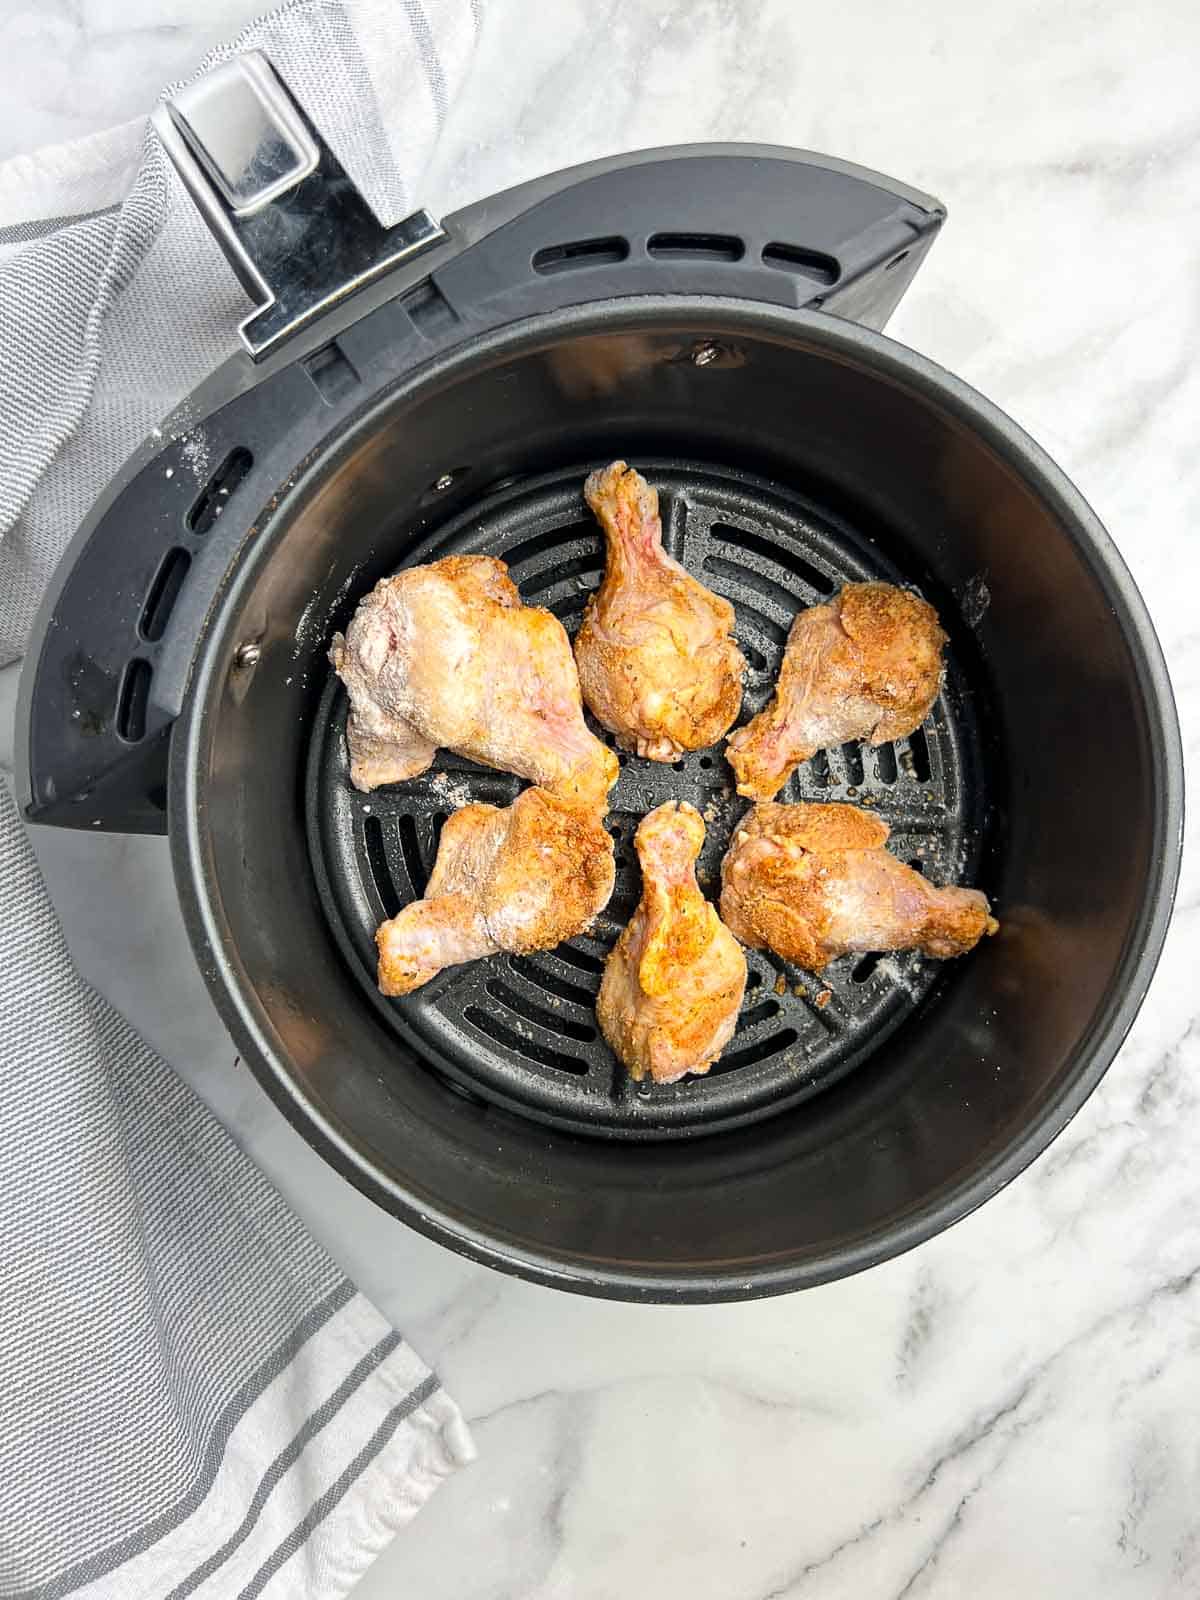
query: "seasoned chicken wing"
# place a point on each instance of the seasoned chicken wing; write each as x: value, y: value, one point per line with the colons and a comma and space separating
x: 658, y: 663
x: 866, y: 666
x: 673, y: 983
x: 520, y: 878
x: 447, y: 655
x: 812, y: 882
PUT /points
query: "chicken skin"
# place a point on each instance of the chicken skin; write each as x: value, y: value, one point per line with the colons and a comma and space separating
x: 673, y: 983
x: 866, y: 666
x: 446, y: 655
x: 814, y: 882
x: 520, y: 878
x: 658, y: 663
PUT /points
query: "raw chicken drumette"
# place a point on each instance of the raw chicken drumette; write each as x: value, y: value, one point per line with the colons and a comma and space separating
x: 866, y: 666
x: 518, y: 879
x: 447, y: 655
x: 658, y: 663
x: 813, y: 882
x: 673, y: 983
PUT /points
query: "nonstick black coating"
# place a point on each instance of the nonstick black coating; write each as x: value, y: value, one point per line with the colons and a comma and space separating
x: 522, y: 1030
x: 1074, y: 729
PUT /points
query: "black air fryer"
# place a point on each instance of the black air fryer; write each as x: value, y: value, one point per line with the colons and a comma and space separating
x: 712, y: 314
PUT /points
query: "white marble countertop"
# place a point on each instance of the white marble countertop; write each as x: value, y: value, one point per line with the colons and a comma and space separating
x: 1014, y: 1407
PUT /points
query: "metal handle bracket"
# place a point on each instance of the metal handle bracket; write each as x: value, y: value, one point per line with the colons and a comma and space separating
x: 295, y: 230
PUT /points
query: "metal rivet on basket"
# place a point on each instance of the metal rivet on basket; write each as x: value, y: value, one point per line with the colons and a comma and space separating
x: 705, y: 354
x: 444, y: 482
x: 248, y: 654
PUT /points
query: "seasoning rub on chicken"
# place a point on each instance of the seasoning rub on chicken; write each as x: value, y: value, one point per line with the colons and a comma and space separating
x: 446, y: 655
x: 673, y: 983
x: 814, y: 882
x: 658, y: 662
x: 866, y: 666
x: 519, y: 878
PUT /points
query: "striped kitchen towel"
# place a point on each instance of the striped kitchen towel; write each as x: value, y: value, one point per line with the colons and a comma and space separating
x: 194, y: 1401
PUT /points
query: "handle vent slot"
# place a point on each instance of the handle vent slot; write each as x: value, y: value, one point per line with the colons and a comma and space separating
x: 163, y: 593
x: 696, y: 246
x: 133, y: 700
x: 580, y: 253
x: 793, y: 258
x: 210, y: 502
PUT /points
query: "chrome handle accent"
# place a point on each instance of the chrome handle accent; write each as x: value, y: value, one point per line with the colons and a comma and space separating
x: 297, y: 233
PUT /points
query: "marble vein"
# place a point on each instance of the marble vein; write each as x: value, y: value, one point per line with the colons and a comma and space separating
x: 1013, y: 1408
x: 983, y: 1430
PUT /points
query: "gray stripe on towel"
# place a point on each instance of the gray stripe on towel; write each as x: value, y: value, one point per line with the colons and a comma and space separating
x: 321, y: 1508
x: 286, y: 1459
x: 95, y: 1566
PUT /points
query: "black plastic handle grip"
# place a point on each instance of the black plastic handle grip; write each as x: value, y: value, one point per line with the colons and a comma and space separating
x: 754, y: 222
x: 113, y: 648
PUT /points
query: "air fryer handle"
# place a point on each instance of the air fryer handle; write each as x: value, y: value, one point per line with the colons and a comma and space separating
x: 111, y: 654
x: 293, y: 227
x: 354, y: 308
x: 746, y: 221
x: 785, y: 226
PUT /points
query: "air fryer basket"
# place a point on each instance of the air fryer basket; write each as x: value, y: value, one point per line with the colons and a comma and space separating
x: 522, y: 1029
x: 672, y: 308
x: 965, y: 1078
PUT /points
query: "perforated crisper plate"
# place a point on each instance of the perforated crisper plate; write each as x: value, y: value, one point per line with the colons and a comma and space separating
x: 521, y: 1030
